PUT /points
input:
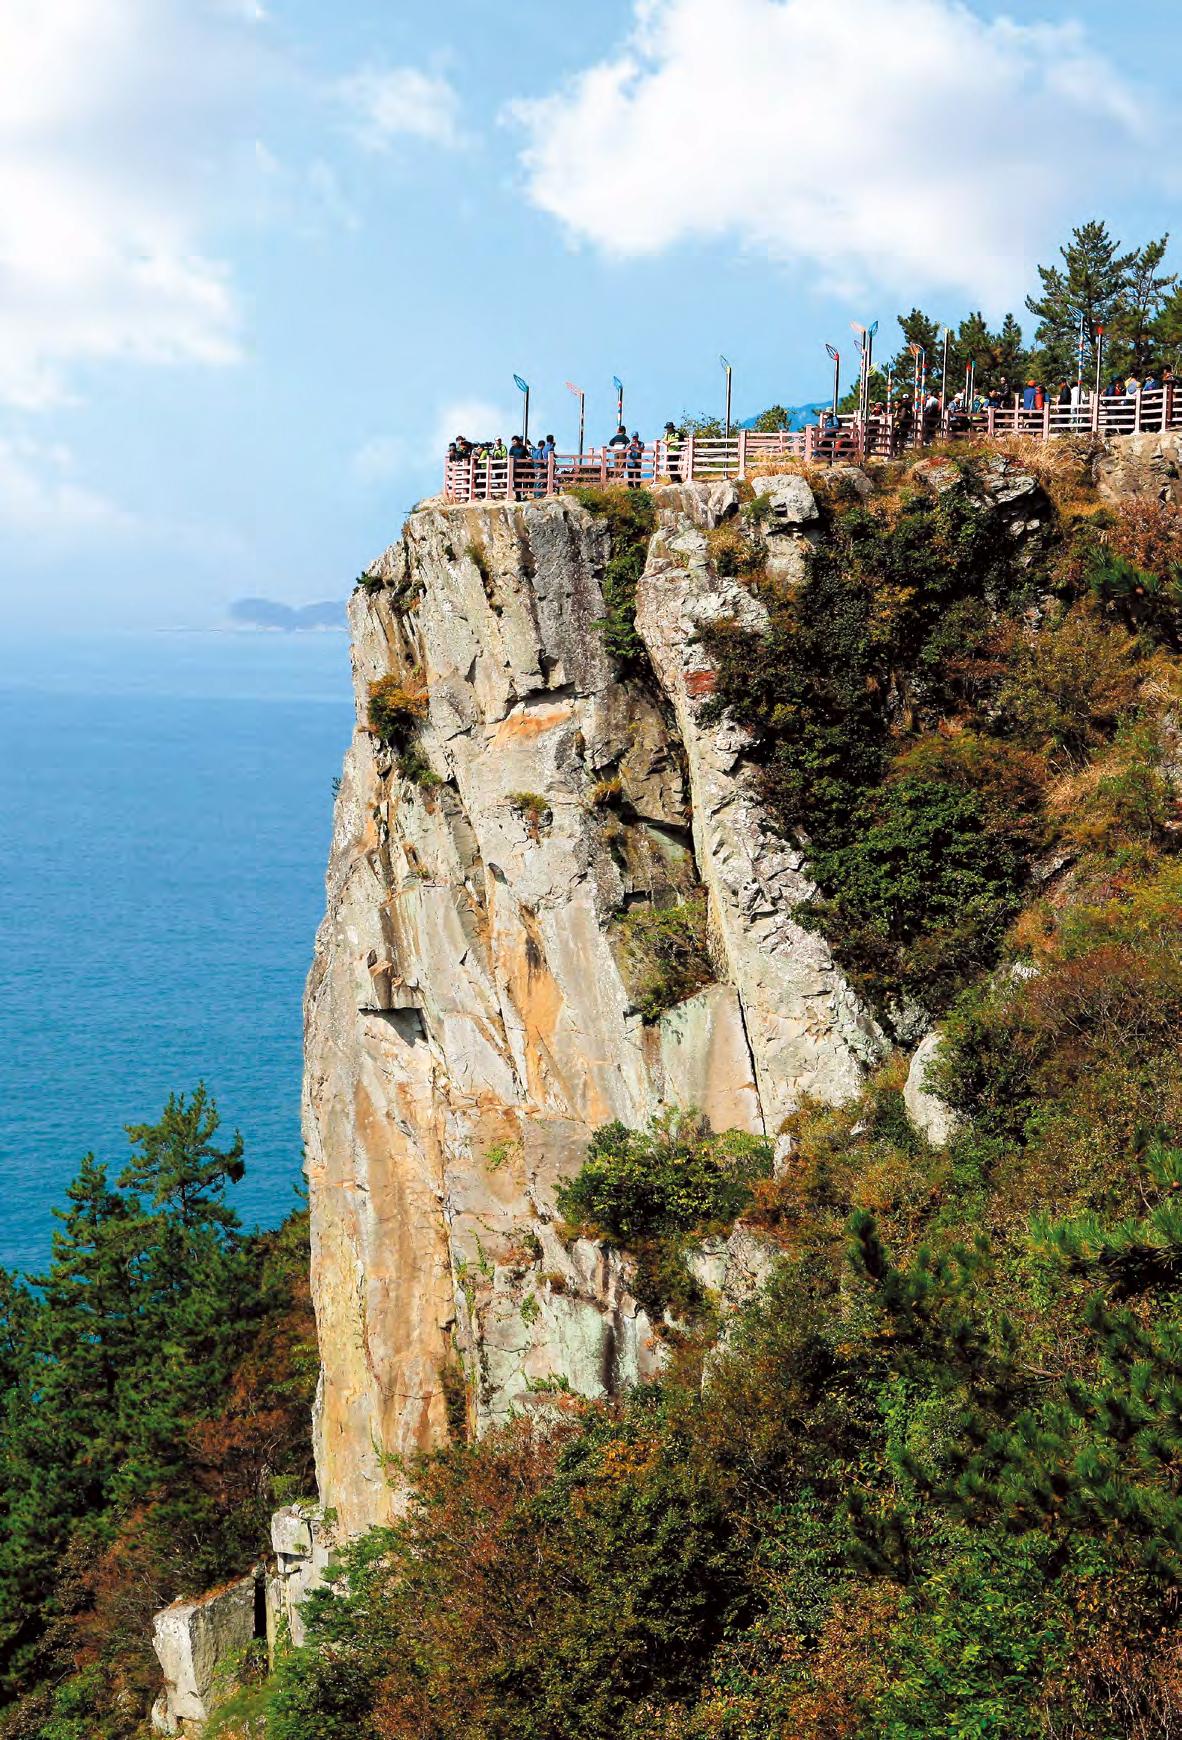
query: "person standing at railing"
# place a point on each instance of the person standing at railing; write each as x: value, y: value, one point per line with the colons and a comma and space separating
x: 673, y: 450
x: 520, y: 466
x: 500, y: 452
x: 618, y: 447
x: 538, y: 456
x: 635, y: 458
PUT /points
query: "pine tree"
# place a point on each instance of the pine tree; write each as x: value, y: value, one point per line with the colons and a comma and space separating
x: 1091, y: 286
x: 66, y: 1431
x: 1146, y: 296
x: 132, y: 1331
x: 179, y: 1168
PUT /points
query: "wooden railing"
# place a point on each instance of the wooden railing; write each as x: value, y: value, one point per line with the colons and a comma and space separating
x: 708, y: 459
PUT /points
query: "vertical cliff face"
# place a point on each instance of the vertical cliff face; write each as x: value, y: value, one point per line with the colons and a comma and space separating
x: 472, y: 1012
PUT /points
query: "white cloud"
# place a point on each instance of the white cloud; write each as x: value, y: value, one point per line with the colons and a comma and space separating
x: 40, y: 495
x: 381, y: 459
x: 381, y: 105
x: 114, y: 117
x: 897, y: 143
x: 478, y: 419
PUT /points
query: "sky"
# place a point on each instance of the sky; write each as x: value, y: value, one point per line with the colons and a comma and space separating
x: 259, y: 259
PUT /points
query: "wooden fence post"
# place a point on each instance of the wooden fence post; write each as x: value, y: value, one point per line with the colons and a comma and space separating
x: 742, y: 452
x: 689, y: 460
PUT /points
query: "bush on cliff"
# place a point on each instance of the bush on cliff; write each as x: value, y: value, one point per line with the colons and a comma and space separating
x: 654, y: 1192
x: 912, y: 708
x: 666, y: 953
x: 631, y: 519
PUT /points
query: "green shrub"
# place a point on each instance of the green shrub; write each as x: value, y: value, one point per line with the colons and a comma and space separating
x: 675, y: 1177
x: 1070, y: 682
x: 922, y: 897
x: 397, y: 707
x: 631, y: 519
x: 666, y: 953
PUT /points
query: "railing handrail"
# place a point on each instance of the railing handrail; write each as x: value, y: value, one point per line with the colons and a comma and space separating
x: 904, y: 426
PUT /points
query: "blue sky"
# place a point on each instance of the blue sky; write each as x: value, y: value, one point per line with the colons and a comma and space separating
x: 259, y: 257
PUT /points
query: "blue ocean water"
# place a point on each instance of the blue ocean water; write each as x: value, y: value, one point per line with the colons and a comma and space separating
x: 165, y: 814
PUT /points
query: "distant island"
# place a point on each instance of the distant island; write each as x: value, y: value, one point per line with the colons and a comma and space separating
x: 290, y: 618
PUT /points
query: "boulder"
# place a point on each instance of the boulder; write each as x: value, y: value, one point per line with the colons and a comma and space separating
x: 792, y: 502
x: 932, y: 1116
x: 200, y: 1645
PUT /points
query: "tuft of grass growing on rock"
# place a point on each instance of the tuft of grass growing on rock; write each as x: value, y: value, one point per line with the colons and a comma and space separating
x: 736, y: 552
x: 534, y: 810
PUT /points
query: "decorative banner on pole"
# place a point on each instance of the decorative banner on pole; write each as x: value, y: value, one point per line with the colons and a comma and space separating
x: 619, y: 386
x: 836, y: 355
x: 727, y: 427
x: 582, y: 398
x: 523, y: 387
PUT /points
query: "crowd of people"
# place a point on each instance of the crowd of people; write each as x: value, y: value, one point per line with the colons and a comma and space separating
x: 894, y: 425
x: 536, y: 466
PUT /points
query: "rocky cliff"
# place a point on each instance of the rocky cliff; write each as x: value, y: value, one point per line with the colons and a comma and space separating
x: 473, y: 1011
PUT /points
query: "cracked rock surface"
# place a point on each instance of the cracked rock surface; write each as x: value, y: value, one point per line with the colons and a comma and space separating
x: 468, y: 1020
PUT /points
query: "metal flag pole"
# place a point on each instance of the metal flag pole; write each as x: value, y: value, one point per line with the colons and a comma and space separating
x: 1083, y: 323
x: 523, y: 386
x: 836, y: 355
x: 871, y: 335
x: 921, y: 357
x: 944, y: 373
x: 861, y: 335
x: 619, y: 386
x: 727, y: 428
x: 581, y: 396
x: 1099, y: 372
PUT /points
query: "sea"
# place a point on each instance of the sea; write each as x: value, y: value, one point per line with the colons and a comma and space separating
x: 165, y: 816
